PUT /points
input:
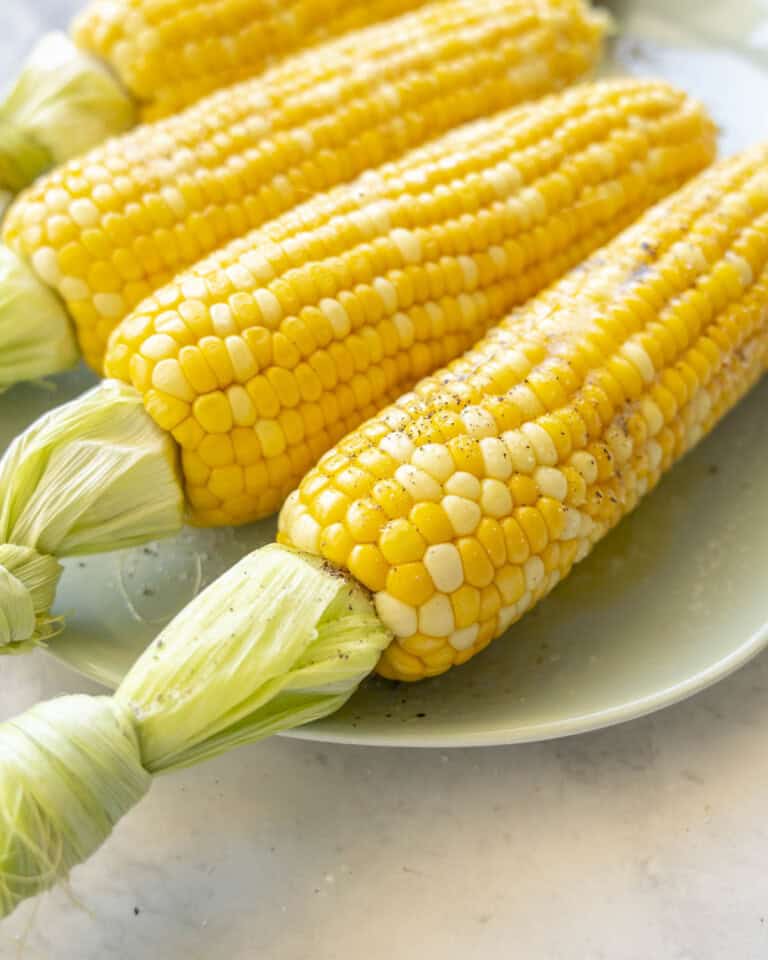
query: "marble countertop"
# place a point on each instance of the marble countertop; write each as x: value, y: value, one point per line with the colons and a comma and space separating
x: 647, y: 840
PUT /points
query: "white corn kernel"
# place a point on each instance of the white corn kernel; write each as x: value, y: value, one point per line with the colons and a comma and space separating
x: 159, y: 346
x: 436, y: 617
x: 496, y: 459
x: 638, y: 357
x: 241, y: 358
x: 495, y: 499
x: 398, y: 445
x: 443, y: 563
x: 408, y: 244
x: 463, y: 515
x: 520, y: 451
x: 551, y: 482
x: 585, y: 465
x: 168, y: 377
x: 463, y: 484
x: 534, y: 572
x: 84, y: 212
x: 506, y: 617
x: 398, y: 616
x: 388, y: 294
x: 406, y: 331
x: 46, y: 265
x: 244, y: 411
x: 418, y: 483
x: 572, y: 524
x: 652, y: 415
x: 222, y: 319
x: 465, y: 638
x: 478, y: 422
x: 337, y: 316
x: 543, y: 446
x: 655, y: 455
x: 270, y: 307
x: 434, y: 459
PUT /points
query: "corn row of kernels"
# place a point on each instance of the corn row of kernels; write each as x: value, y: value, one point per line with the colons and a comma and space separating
x: 267, y: 353
x: 107, y: 229
x: 170, y: 54
x: 471, y: 498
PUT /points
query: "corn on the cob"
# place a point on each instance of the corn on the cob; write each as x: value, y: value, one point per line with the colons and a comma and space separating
x: 261, y: 357
x: 107, y: 229
x: 144, y: 59
x: 170, y: 53
x: 469, y: 499
x: 476, y: 495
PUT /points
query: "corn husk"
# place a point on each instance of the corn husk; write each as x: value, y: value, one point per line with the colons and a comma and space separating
x: 93, y: 475
x: 36, y: 335
x: 281, y: 639
x: 63, y: 103
x: 69, y: 769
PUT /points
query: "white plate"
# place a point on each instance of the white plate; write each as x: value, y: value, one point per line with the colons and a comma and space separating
x: 671, y: 602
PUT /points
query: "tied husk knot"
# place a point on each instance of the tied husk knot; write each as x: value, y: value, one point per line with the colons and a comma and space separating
x: 69, y: 770
x: 279, y: 640
x: 93, y: 475
x: 28, y: 581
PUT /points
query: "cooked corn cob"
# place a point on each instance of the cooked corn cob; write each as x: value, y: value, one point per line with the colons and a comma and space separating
x: 472, y: 497
x: 143, y: 59
x: 170, y: 53
x: 263, y: 356
x: 468, y: 500
x: 106, y: 230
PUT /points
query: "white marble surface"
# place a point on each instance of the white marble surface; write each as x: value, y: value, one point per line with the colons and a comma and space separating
x: 644, y: 841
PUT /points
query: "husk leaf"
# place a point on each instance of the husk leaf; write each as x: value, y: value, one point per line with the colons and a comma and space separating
x: 93, y: 475
x: 63, y: 103
x: 36, y: 335
x: 277, y: 641
x: 69, y: 770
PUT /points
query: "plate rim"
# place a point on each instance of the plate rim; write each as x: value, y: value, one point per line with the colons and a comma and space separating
x: 550, y: 730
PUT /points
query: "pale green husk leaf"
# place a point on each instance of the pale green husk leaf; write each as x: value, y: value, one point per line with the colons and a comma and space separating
x: 28, y: 582
x: 36, y: 335
x: 279, y: 640
x: 63, y: 103
x: 93, y: 475
x: 69, y: 770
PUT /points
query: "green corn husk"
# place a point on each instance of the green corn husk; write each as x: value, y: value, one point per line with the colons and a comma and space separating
x: 93, y: 475
x: 36, y: 334
x: 62, y: 103
x: 69, y: 769
x: 279, y: 640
